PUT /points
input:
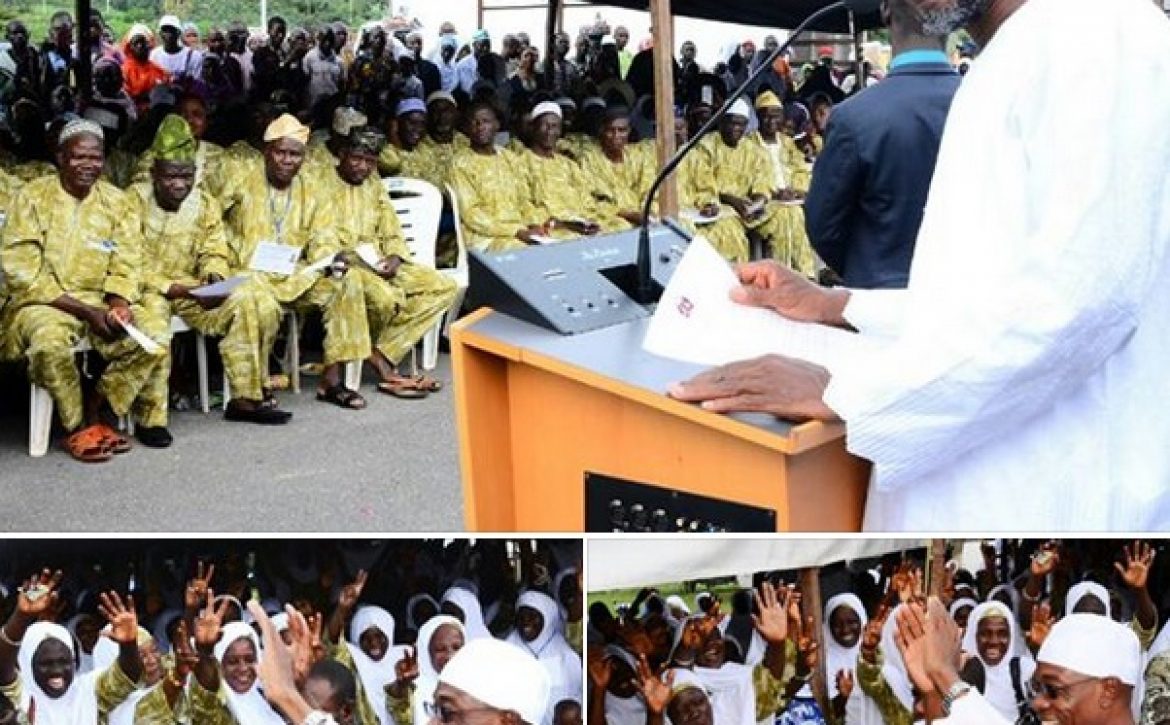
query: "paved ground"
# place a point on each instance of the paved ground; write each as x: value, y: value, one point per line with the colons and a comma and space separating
x: 393, y: 467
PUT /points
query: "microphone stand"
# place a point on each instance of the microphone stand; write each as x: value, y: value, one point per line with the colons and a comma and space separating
x: 644, y: 293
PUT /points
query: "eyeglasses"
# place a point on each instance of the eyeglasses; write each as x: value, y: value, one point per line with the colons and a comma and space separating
x: 449, y: 715
x: 1037, y: 688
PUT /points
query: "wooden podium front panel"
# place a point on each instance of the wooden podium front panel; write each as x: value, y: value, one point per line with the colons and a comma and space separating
x: 530, y: 428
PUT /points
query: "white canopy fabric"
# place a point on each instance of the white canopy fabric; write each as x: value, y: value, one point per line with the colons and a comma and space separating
x: 628, y: 563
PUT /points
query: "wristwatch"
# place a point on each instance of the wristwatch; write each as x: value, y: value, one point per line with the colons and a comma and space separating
x: 954, y: 692
x: 317, y: 717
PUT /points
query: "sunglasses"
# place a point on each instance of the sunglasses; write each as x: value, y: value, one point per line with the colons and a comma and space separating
x: 1037, y: 689
x: 448, y: 715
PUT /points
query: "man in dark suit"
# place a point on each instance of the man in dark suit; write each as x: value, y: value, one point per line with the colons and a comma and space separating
x: 870, y: 182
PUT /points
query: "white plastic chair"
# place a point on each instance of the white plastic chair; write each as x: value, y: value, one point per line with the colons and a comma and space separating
x: 290, y: 361
x: 178, y: 326
x: 459, y: 273
x: 40, y: 411
x: 419, y: 206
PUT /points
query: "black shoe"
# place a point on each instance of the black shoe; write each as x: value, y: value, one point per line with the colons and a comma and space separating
x: 261, y: 416
x: 154, y: 436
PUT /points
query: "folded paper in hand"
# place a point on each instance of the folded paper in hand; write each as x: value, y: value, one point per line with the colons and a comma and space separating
x: 698, y: 322
x: 223, y: 288
x: 369, y: 254
x: 275, y: 258
x: 143, y: 341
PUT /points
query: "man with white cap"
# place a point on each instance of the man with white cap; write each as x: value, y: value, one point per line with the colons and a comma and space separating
x: 183, y: 63
x: 1085, y: 674
x: 501, y: 682
x: 558, y: 189
x: 274, y: 202
x: 72, y: 256
x: 469, y: 70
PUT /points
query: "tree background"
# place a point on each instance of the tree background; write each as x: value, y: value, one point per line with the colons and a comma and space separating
x: 121, y: 14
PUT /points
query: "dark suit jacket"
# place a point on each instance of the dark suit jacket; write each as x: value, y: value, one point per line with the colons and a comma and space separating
x: 871, y: 180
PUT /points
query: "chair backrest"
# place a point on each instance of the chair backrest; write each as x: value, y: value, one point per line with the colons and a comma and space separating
x: 461, y: 258
x: 420, y: 208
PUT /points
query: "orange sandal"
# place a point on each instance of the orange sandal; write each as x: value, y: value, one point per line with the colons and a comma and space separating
x: 88, y: 445
x: 115, y: 441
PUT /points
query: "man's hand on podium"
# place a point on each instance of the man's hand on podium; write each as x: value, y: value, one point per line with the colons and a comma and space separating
x: 773, y: 286
x: 786, y: 388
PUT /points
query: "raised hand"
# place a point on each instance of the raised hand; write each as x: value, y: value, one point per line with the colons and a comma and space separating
x: 185, y: 655
x: 634, y: 638
x: 600, y: 670
x: 209, y: 623
x: 845, y: 683
x: 871, y: 636
x: 38, y: 594
x: 1138, y: 560
x: 1045, y: 560
x: 807, y: 647
x: 121, y: 616
x: 1042, y: 621
x: 655, y: 691
x: 196, y: 592
x: 907, y: 582
x: 406, y: 669
x: 772, y: 621
x: 302, y: 650
x: 352, y: 592
x: 910, y: 636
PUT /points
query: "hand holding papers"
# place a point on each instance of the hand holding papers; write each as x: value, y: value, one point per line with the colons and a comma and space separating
x: 275, y: 258
x: 223, y: 288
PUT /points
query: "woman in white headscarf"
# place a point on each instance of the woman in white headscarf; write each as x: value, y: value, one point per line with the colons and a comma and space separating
x: 844, y: 620
x: 373, y: 652
x: 993, y: 640
x: 415, y: 619
x: 464, y: 605
x: 1088, y: 598
x: 1008, y: 594
x: 84, y: 628
x: 105, y: 654
x: 621, y: 701
x: 237, y: 654
x: 887, y: 688
x: 438, y: 641
x: 538, y: 631
x: 961, y: 611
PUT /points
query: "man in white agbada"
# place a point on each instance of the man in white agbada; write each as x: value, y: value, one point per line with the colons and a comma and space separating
x: 1019, y: 382
x: 1085, y: 674
x: 503, y: 684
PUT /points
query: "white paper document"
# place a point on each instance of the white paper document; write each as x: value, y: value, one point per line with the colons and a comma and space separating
x: 369, y: 254
x: 223, y: 288
x: 143, y: 341
x: 697, y: 321
x: 319, y: 265
x: 541, y: 239
x: 275, y: 258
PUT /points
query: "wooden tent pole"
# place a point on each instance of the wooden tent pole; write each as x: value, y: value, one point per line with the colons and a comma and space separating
x: 938, y: 563
x: 810, y: 589
x: 663, y: 24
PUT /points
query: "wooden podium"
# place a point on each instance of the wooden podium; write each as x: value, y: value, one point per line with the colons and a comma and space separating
x: 536, y: 411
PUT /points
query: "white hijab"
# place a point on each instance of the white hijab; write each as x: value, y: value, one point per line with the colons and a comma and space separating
x: 105, y: 653
x: 414, y: 602
x: 79, y: 704
x: 428, y: 675
x: 1078, y: 591
x: 86, y: 659
x: 1012, y: 592
x: 893, y: 668
x: 624, y: 710
x: 859, y: 709
x: 552, y: 650
x: 375, y: 674
x: 249, y: 708
x: 999, y: 690
x: 468, y: 603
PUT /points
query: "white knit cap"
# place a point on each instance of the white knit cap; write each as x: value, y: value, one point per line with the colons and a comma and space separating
x: 740, y: 108
x: 1093, y: 646
x: 502, y: 676
x: 78, y: 127
x: 546, y: 107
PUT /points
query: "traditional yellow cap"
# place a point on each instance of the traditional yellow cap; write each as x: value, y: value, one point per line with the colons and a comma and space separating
x: 287, y: 126
x: 768, y: 99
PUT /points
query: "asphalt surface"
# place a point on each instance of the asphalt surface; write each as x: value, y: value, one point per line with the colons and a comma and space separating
x: 390, y: 468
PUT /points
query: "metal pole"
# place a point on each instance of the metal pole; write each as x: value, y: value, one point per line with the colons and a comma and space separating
x: 84, y: 73
x: 264, y: 14
x: 550, y: 41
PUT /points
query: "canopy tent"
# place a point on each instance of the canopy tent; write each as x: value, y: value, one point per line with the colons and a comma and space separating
x: 763, y: 13
x: 625, y: 564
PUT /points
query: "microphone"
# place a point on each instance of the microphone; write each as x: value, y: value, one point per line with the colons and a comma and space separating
x: 644, y: 291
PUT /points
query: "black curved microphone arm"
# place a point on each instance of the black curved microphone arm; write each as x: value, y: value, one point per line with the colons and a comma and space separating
x: 645, y: 288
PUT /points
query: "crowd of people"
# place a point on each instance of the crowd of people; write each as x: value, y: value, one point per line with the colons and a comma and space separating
x: 1050, y: 632
x: 240, y: 633
x: 163, y: 190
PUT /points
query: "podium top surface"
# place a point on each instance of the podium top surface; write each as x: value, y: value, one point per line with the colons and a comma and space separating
x: 615, y: 354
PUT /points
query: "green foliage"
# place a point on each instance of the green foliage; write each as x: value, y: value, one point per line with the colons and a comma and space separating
x: 121, y: 14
